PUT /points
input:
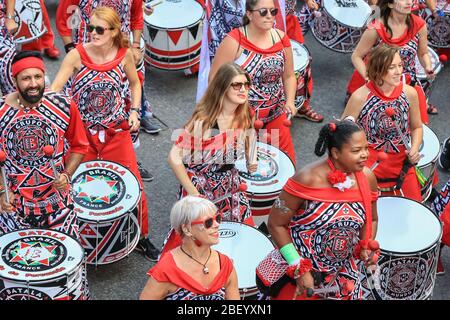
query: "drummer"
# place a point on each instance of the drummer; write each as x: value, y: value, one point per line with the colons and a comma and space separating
x: 324, y: 214
x: 204, y: 155
x: 193, y: 271
x: 106, y: 62
x: 396, y: 26
x: 372, y: 106
x: 255, y: 47
x: 8, y: 27
x: 32, y: 119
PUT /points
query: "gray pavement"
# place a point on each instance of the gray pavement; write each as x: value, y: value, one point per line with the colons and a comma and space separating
x: 173, y: 97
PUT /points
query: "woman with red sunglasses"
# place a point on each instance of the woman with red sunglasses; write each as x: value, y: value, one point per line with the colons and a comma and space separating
x: 266, y: 54
x: 103, y: 76
x: 204, y: 154
x: 193, y: 271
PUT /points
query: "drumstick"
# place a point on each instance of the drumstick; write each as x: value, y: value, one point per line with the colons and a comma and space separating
x: 310, y: 291
x: 253, y: 149
x: 124, y: 126
x: 381, y: 156
x: 2, y: 164
x: 390, y: 112
x: 152, y: 5
x: 48, y: 151
x: 287, y: 122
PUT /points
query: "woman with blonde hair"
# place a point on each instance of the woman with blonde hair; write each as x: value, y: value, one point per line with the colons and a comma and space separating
x: 218, y: 133
x: 103, y: 75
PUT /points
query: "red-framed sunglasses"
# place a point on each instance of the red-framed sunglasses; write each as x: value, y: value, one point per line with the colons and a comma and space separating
x: 208, y: 223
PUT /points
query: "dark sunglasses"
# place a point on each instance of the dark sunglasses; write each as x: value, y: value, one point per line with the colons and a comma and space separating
x: 208, y: 223
x: 238, y: 85
x: 98, y: 29
x: 264, y: 11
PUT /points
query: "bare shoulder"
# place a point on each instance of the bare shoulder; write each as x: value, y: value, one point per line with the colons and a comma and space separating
x: 310, y: 175
x: 371, y: 178
x: 409, y: 91
x: 280, y: 32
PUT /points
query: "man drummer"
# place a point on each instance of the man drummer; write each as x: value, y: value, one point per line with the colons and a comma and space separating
x: 37, y: 183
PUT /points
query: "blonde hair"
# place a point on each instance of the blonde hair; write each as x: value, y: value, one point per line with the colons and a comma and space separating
x: 113, y: 20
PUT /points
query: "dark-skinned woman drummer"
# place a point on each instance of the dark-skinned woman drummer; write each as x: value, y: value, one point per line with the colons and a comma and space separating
x: 388, y: 111
x: 398, y: 27
x: 325, y: 214
x: 266, y: 54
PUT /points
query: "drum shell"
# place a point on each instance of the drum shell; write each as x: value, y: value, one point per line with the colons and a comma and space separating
x: 430, y: 147
x: 29, y: 19
x: 302, y: 74
x: 420, y: 72
x: 435, y: 26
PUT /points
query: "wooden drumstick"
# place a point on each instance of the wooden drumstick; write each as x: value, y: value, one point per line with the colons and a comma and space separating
x: 381, y: 156
x: 48, y: 151
x: 253, y: 149
x: 390, y: 112
x: 287, y: 122
x: 5, y: 182
x: 152, y: 5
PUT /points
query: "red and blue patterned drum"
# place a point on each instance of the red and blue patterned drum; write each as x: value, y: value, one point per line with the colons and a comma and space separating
x: 40, y: 264
x: 28, y: 16
x: 409, y: 235
x: 438, y: 27
x: 264, y: 186
x: 302, y: 68
x: 341, y: 24
x: 173, y: 34
x: 422, y: 76
x: 247, y: 247
x: 106, y: 196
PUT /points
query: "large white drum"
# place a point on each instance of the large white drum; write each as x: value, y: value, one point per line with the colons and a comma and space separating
x: 438, y: 27
x: 40, y: 264
x: 409, y: 235
x: 340, y: 24
x: 430, y: 150
x: 106, y: 196
x: 28, y: 16
x: 302, y: 68
x: 247, y: 247
x: 173, y: 34
x: 422, y: 76
x: 264, y: 186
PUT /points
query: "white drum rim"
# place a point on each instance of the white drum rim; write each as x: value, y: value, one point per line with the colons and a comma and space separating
x: 303, y: 47
x: 363, y: 3
x: 250, y: 188
x: 147, y: 19
x: 114, y: 217
x: 433, y: 139
x: 419, y: 251
x: 33, y: 280
x: 436, y: 68
x: 240, y: 224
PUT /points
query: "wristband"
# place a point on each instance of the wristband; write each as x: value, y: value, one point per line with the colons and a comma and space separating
x: 69, y: 47
x: 137, y: 109
x: 290, y: 254
x: 136, y: 45
x: 10, y: 16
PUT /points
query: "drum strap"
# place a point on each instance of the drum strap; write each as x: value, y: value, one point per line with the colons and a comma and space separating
x: 402, y: 175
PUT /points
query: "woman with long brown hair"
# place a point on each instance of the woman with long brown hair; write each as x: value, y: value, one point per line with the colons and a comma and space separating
x: 103, y: 75
x: 218, y: 133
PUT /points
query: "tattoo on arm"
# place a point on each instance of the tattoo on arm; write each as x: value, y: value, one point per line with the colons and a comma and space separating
x: 281, y: 205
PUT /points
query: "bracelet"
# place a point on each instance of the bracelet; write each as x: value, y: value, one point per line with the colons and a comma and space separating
x: 2, y: 190
x: 136, y: 45
x: 69, y: 176
x: 296, y: 271
x: 10, y: 16
x: 290, y: 254
x: 69, y: 47
x: 137, y: 109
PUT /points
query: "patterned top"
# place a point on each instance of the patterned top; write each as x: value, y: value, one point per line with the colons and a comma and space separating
x: 101, y: 92
x: 24, y: 134
x: 266, y: 68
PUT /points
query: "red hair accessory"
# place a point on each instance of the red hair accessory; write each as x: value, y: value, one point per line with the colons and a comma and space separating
x: 297, y: 270
x: 332, y: 127
x: 27, y: 63
x: 336, y: 176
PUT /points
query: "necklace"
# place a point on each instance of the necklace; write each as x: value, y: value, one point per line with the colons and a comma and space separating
x: 21, y: 106
x: 338, y: 178
x: 205, y: 268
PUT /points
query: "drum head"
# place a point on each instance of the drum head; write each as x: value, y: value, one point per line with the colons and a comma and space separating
x: 246, y: 246
x: 274, y: 169
x: 430, y: 147
x: 406, y: 226
x: 175, y: 14
x: 435, y: 63
x: 38, y: 255
x: 351, y: 13
x: 301, y: 56
x: 104, y: 190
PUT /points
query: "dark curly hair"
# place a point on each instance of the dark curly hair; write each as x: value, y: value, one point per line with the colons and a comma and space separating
x: 335, y: 134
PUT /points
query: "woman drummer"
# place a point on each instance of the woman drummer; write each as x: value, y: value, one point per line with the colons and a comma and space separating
x: 396, y: 26
x: 103, y: 72
x: 325, y: 214
x: 266, y: 54
x: 388, y: 111
x: 193, y: 271
x: 204, y: 155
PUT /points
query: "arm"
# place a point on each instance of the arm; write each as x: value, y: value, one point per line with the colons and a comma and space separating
x: 231, y: 287
x: 365, y: 45
x: 135, y: 88
x: 65, y: 19
x: 289, y: 81
x: 422, y: 53
x: 10, y: 23
x: 415, y: 124
x: 373, y: 187
x: 70, y: 65
x: 224, y: 54
x: 155, y: 290
x: 176, y: 164
x: 355, y: 103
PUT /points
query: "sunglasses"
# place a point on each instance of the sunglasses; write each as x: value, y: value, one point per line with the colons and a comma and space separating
x: 264, y: 11
x: 98, y: 29
x: 208, y: 223
x: 238, y: 85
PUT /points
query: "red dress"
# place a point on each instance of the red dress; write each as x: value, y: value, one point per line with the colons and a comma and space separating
x: 166, y: 270
x: 101, y: 92
x: 266, y: 95
x: 383, y: 136
x: 408, y: 43
x: 328, y: 230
